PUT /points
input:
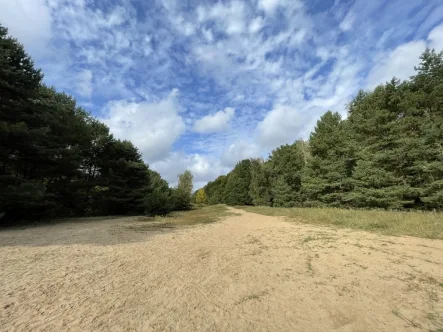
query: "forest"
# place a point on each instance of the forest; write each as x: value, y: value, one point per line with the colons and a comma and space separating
x: 56, y: 160
x: 386, y: 154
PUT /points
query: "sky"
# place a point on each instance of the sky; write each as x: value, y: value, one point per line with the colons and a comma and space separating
x: 200, y: 85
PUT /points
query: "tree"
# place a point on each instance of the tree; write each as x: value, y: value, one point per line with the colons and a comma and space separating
x: 126, y: 177
x: 237, y: 185
x: 283, y: 195
x: 427, y: 90
x: 286, y: 164
x: 158, y: 200
x: 200, y: 196
x: 325, y: 180
x: 183, y: 191
x: 22, y: 130
x: 259, y: 188
x: 57, y: 160
x: 215, y: 190
x: 379, y: 124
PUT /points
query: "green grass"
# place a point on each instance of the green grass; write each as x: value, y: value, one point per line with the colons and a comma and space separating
x: 419, y: 224
x: 199, y: 215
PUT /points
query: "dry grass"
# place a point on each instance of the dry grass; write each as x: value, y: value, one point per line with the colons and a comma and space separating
x: 199, y: 215
x: 419, y: 224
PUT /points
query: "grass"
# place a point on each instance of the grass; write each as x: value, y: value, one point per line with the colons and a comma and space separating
x: 199, y: 215
x: 417, y: 223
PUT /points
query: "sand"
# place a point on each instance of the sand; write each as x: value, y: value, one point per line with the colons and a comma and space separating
x: 246, y: 273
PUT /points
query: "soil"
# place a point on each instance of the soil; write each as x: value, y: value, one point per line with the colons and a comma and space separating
x: 246, y: 273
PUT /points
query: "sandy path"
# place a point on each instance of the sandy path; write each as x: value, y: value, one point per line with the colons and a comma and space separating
x: 247, y: 273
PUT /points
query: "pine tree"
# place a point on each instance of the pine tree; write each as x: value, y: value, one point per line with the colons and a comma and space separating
x: 21, y: 131
x: 282, y: 193
x: 126, y: 177
x: 378, y: 123
x: 427, y: 88
x: 287, y: 163
x: 325, y: 179
x: 158, y: 199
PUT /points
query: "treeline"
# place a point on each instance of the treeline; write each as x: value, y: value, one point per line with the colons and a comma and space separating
x: 57, y: 160
x: 388, y: 153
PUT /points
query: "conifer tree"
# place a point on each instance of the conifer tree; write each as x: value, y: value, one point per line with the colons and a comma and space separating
x: 325, y: 180
x: 287, y: 163
x: 282, y: 193
x: 380, y: 175
x: 427, y: 89
x: 158, y: 200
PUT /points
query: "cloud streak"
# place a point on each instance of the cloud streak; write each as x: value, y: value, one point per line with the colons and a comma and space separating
x: 213, y: 123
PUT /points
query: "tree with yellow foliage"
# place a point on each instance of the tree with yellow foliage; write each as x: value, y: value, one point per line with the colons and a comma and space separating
x: 200, y: 197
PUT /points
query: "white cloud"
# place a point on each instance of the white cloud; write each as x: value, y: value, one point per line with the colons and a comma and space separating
x: 229, y: 17
x: 215, y: 122
x: 239, y: 150
x: 399, y: 63
x: 347, y: 22
x: 152, y: 126
x: 268, y: 5
x: 282, y: 125
x: 256, y: 24
x: 30, y: 22
x: 436, y: 38
x: 207, y: 33
x: 203, y: 168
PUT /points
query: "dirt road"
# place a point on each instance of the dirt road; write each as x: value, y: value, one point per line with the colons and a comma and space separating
x: 246, y: 273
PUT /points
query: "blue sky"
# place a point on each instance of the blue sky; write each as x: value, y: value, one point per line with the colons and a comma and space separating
x: 204, y: 84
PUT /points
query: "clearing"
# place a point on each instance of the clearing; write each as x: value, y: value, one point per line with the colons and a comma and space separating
x: 248, y: 272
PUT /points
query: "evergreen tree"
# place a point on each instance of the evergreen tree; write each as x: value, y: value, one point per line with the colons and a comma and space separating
x: 158, y: 200
x: 287, y: 163
x: 326, y: 177
x: 379, y: 124
x: 126, y: 178
x: 283, y: 195
x: 22, y: 129
x: 427, y: 91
